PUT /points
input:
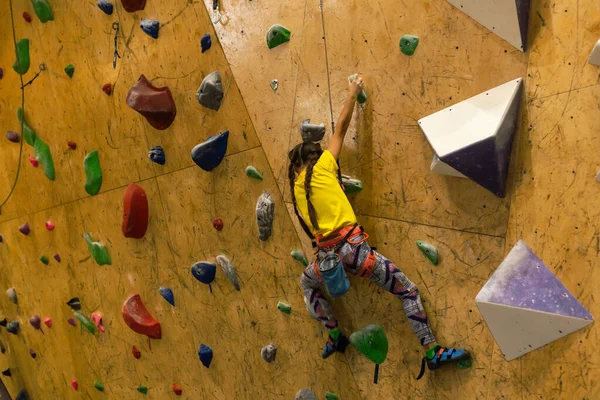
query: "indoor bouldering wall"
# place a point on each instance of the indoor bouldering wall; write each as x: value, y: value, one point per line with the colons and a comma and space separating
x: 549, y: 200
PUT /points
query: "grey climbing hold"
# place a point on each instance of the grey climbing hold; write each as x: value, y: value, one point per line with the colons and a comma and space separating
x: 229, y: 270
x: 210, y: 92
x: 13, y: 327
x: 274, y: 85
x: 268, y: 353
x: 265, y: 213
x: 12, y: 295
x: 311, y: 132
x: 305, y: 394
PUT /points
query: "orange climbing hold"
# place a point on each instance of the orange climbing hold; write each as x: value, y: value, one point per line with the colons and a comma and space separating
x: 176, y: 389
x: 138, y: 318
x: 135, y: 212
x: 48, y: 322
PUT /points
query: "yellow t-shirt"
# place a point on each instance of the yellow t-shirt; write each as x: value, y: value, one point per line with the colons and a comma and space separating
x: 331, y: 204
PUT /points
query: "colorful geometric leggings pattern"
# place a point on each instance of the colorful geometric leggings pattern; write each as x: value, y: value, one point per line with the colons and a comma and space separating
x: 385, y: 275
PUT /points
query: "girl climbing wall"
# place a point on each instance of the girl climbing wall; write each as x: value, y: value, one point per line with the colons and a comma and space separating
x: 328, y: 218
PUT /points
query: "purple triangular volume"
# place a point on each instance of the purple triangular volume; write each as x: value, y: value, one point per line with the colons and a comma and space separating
x: 522, y: 280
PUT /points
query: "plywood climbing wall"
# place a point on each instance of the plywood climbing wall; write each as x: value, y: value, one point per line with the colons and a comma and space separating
x: 549, y: 203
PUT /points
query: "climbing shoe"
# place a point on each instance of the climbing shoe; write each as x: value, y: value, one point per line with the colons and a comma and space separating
x: 441, y: 356
x: 336, y: 341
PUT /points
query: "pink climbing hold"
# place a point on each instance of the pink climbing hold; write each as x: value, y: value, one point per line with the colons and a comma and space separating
x: 33, y: 161
x: 74, y: 384
x: 97, y: 318
x: 72, y: 145
x: 25, y: 229
x: 50, y: 225
x: 71, y: 321
x: 48, y: 322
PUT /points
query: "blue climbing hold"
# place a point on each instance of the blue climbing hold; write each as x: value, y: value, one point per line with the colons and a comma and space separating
x: 208, y: 155
x: 150, y: 26
x: 167, y: 294
x: 157, y: 155
x: 105, y: 6
x: 205, y: 42
x: 22, y: 395
x: 204, y: 272
x: 206, y: 355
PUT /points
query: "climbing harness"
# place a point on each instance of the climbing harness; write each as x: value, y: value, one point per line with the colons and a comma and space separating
x: 445, y: 356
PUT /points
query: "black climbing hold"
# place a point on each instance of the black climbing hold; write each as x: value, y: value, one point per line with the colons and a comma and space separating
x: 1, y: 239
x: 210, y: 92
x: 2, y: 347
x: 13, y: 327
x: 74, y: 303
x: 105, y: 6
x: 208, y: 155
x: 3, y: 322
x: 205, y: 42
x: 157, y: 155
x: 205, y: 354
x: 204, y: 272
x: 150, y: 27
x: 32, y: 353
x: 167, y: 294
x: 6, y: 372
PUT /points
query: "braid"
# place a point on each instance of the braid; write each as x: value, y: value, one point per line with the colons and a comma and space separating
x: 304, y: 154
x: 292, y: 177
x: 312, y: 160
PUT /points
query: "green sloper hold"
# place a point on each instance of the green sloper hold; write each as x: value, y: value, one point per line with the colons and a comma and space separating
x: 93, y: 173
x: 98, y: 250
x: 372, y: 342
x: 408, y: 44
x: 85, y: 321
x: 331, y: 396
x: 70, y: 70
x: 430, y: 251
x: 40, y: 148
x: 98, y: 385
x: 28, y: 133
x: 298, y: 256
x: 252, y: 172
x: 362, y: 96
x: 351, y: 185
x: 44, y: 260
x: 142, y: 389
x: 42, y: 10
x: 277, y: 35
x: 21, y: 65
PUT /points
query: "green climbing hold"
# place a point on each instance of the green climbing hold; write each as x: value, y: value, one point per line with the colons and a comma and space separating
x: 298, y: 256
x: 252, y: 172
x: 331, y: 396
x: 430, y: 251
x: 93, y: 172
x: 408, y: 44
x: 98, y: 385
x: 142, y: 389
x: 44, y: 260
x: 464, y: 364
x: 362, y: 96
x: 98, y: 250
x: 21, y: 65
x: 371, y: 342
x: 284, y: 308
x: 277, y: 35
x: 40, y: 148
x: 28, y: 133
x: 85, y: 321
x: 70, y: 70
x: 351, y: 185
x: 42, y: 10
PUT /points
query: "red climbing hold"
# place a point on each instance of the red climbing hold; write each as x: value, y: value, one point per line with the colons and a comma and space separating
x: 74, y: 384
x: 155, y: 104
x: 176, y: 389
x: 27, y: 17
x: 218, y: 224
x: 133, y: 5
x: 50, y: 225
x: 138, y: 318
x: 135, y: 212
x: 33, y: 162
x: 48, y: 322
x: 72, y: 145
x: 107, y: 88
x: 136, y: 352
x: 97, y: 318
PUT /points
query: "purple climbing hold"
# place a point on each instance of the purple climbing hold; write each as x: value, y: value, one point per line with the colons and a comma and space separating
x: 71, y: 321
x: 208, y: 155
x: 105, y: 6
x: 25, y: 229
x: 57, y: 257
x: 32, y: 353
x: 150, y: 26
x: 206, y: 355
x: 13, y: 327
x: 36, y: 322
x: 204, y: 272
x: 205, y: 42
x: 12, y: 136
x: 167, y: 294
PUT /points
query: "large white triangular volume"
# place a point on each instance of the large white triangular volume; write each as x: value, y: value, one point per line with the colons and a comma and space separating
x: 441, y: 168
x: 475, y: 136
x: 506, y: 18
x: 595, y: 56
x: 525, y: 306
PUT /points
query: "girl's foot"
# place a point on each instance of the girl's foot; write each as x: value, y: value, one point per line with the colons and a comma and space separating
x: 441, y: 356
x: 336, y: 341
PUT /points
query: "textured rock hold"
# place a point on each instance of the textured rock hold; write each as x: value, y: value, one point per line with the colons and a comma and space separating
x: 49, y: 225
x: 408, y: 44
x: 277, y: 35
x: 150, y: 27
x: 93, y: 173
x: 105, y: 6
x: 176, y: 389
x: 167, y: 294
x: 218, y: 224
x: 133, y: 5
x: 97, y: 318
x: 430, y: 251
x: 21, y: 65
x: 157, y: 155
x: 265, y: 213
x: 210, y: 93
x: 27, y: 17
x: 311, y: 133
x: 298, y: 256
x: 138, y: 318
x: 362, y: 96
x: 12, y: 295
x: 42, y: 10
x: 44, y: 260
x: 252, y: 172
x: 107, y: 88
x: 284, y: 308
x: 208, y: 155
x: 25, y: 229
x: 135, y: 212
x: 268, y: 353
x: 371, y: 342
x: 155, y: 104
x: 229, y: 270
x: 48, y: 322
x: 136, y: 352
x: 205, y: 42
x: 204, y: 272
x: 13, y: 327
x: 13, y: 136
x: 70, y: 70
x: 98, y: 385
x: 205, y: 354
x: 98, y: 251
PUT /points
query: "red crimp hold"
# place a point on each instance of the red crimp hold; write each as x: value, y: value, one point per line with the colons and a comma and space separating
x: 138, y: 318
x: 72, y: 145
x: 136, y: 352
x: 50, y: 225
x: 176, y: 389
x: 107, y: 88
x: 218, y: 224
x: 27, y: 17
x: 48, y: 322
x: 74, y: 384
x: 33, y: 162
x: 135, y: 212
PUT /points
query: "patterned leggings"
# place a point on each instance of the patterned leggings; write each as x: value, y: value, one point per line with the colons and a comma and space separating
x: 385, y: 274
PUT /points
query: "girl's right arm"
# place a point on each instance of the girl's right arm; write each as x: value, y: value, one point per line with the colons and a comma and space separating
x: 337, y: 140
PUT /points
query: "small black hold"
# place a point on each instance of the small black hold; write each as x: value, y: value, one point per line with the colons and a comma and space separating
x: 3, y: 322
x: 74, y: 303
x: 6, y: 372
